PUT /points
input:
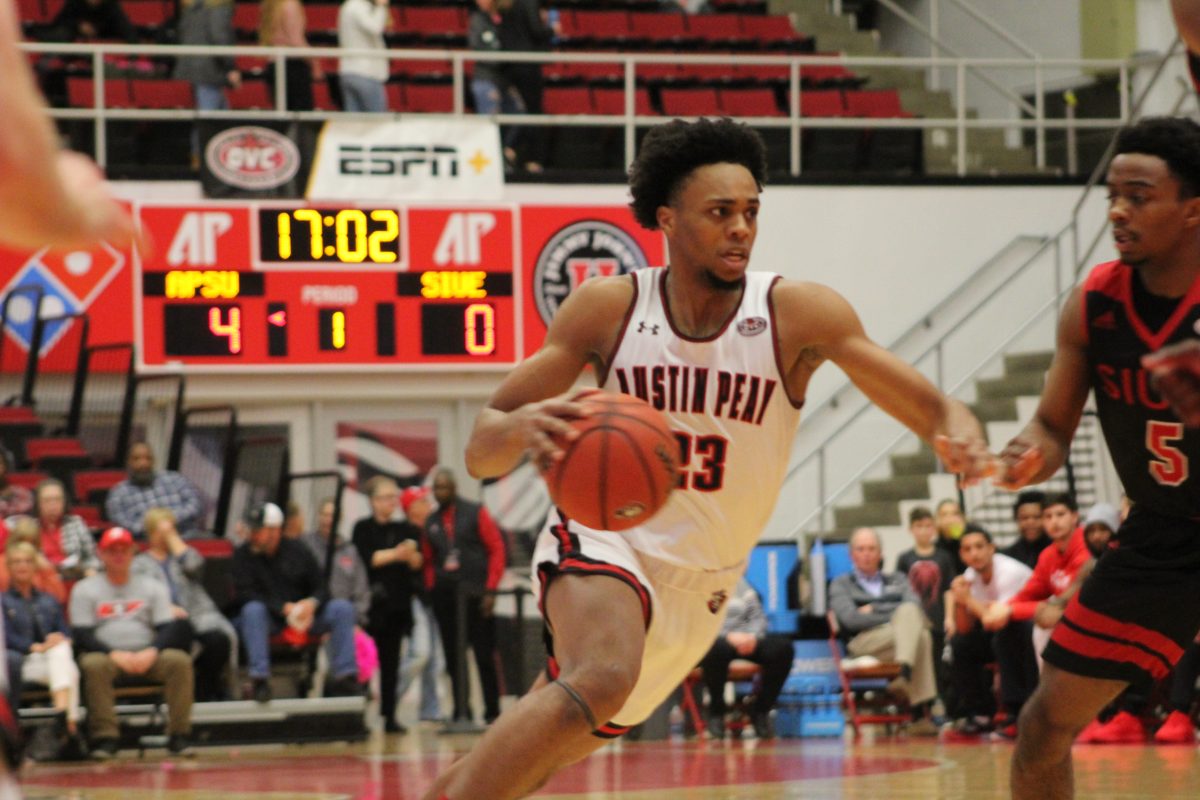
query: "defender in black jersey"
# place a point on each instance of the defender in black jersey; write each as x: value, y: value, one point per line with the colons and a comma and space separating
x: 1141, y: 605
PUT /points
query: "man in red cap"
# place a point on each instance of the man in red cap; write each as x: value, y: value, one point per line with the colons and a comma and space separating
x: 391, y: 551
x: 123, y: 625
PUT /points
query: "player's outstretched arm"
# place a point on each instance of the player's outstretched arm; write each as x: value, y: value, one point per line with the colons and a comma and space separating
x: 832, y: 330
x: 1187, y: 19
x: 1040, y: 449
x: 532, y: 406
x: 49, y: 196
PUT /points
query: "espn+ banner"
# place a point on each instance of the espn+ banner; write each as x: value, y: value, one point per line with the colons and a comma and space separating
x: 448, y: 159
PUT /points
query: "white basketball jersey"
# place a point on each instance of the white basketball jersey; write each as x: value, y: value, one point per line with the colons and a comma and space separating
x: 727, y: 402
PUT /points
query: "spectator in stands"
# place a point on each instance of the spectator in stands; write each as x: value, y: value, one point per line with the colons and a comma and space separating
x: 990, y: 578
x: 45, y: 575
x: 124, y: 626
x: 66, y: 541
x: 525, y: 28
x: 145, y: 489
x: 180, y: 568
x: 278, y: 587
x: 950, y: 525
x: 361, y: 24
x: 744, y: 635
x: 881, y: 616
x: 391, y: 550
x: 491, y: 86
x: 348, y: 577
x: 91, y: 19
x: 1032, y: 538
x: 293, y: 521
x: 207, y: 22
x: 464, y: 553
x: 1056, y: 568
x: 929, y: 569
x: 283, y: 25
x: 36, y: 635
x: 424, y: 655
x: 13, y: 499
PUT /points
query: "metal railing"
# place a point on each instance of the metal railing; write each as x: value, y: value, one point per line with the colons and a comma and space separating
x: 795, y: 122
x: 1067, y: 239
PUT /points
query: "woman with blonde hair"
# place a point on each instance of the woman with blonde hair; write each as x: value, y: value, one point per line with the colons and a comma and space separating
x: 36, y: 635
x: 45, y: 578
x: 283, y: 25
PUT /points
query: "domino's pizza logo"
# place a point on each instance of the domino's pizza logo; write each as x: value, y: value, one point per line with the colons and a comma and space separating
x: 579, y: 251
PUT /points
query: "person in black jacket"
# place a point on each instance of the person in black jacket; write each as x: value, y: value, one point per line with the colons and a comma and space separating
x: 391, y: 551
x: 92, y: 19
x: 464, y: 551
x: 278, y: 587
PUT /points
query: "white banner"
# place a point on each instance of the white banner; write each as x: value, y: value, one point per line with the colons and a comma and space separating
x: 447, y: 159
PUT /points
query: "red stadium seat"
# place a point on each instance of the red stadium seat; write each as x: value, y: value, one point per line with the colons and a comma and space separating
x: 604, y: 28
x: 658, y: 73
x: 148, y: 93
x: 91, y: 516
x: 690, y: 102
x: 765, y: 73
x: 883, y: 103
x: 822, y: 103
x: 432, y: 98
x: 395, y: 95
x: 661, y: 30
x: 245, y: 19
x: 251, y: 94
x: 717, y: 31
x: 572, y: 100
x: 436, y: 25
x: 29, y: 480
x: 148, y: 14
x: 89, y: 483
x: 750, y: 103
x: 612, y: 101
x: 428, y: 69
x: 772, y: 31
x: 321, y: 18
x: 322, y: 99
x: 116, y: 93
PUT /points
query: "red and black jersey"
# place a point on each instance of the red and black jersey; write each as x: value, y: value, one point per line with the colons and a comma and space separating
x: 1152, y: 450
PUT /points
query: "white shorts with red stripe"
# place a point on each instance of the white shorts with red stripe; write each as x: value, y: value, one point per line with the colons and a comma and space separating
x: 683, y: 608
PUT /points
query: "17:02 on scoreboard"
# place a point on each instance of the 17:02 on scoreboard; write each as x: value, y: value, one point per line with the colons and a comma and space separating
x: 341, y: 235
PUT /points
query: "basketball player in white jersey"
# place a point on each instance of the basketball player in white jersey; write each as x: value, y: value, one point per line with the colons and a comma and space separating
x: 48, y: 196
x: 727, y: 355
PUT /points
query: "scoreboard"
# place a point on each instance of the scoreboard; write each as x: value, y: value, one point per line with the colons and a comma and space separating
x: 262, y: 285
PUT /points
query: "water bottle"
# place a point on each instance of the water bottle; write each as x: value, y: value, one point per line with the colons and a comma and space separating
x: 816, y: 573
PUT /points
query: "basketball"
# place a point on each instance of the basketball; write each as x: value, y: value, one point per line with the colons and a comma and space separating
x: 621, y: 468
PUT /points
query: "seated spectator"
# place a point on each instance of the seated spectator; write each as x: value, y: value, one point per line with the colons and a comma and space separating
x: 45, y: 576
x: 91, y: 19
x: 293, y: 521
x: 990, y: 578
x: 390, y: 549
x: 36, y: 635
x: 66, y: 540
x: 744, y: 635
x: 929, y: 569
x: 124, y: 626
x: 180, y: 569
x: 348, y: 578
x: 13, y: 499
x: 1043, y: 597
x: 278, y: 587
x: 129, y: 500
x: 881, y: 617
x: 950, y: 525
x: 1032, y: 538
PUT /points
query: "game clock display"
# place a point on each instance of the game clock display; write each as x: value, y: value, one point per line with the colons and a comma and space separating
x: 297, y: 287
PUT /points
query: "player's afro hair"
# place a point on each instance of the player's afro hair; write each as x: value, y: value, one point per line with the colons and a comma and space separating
x: 670, y: 153
x: 1173, y: 139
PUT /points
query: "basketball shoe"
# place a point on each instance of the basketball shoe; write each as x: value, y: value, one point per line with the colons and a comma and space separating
x: 1178, y: 729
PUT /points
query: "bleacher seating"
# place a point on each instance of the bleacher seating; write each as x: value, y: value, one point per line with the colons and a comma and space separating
x: 690, y: 102
x: 155, y: 93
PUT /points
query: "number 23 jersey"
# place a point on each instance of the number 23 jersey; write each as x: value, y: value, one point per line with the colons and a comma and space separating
x: 1151, y: 449
x: 727, y: 403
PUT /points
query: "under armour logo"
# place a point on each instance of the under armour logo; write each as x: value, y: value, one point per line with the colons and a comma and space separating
x: 643, y: 327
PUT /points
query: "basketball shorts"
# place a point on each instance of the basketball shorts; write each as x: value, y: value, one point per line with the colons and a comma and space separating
x: 1138, y: 610
x: 682, y: 608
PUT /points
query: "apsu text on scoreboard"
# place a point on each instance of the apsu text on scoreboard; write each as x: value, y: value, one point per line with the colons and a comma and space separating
x: 271, y: 284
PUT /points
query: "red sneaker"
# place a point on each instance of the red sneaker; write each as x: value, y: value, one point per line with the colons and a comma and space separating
x: 1124, y: 728
x: 1178, y: 729
x: 1088, y: 734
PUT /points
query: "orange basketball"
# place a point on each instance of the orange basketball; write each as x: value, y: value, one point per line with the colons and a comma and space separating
x: 620, y: 469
